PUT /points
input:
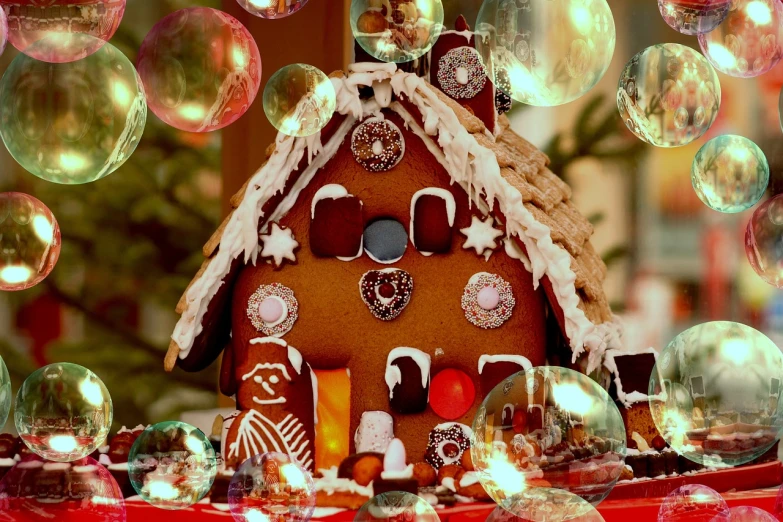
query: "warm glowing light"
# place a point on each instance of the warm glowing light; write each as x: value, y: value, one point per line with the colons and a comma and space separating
x: 162, y: 490
x: 740, y: 153
x: 507, y: 477
x: 194, y: 445
x: 43, y: 229
x: 72, y: 161
x: 735, y: 350
x: 240, y: 60
x: 92, y: 392
x: 263, y: 4
x: 192, y: 111
x: 571, y: 397
x: 122, y: 94
x: 293, y: 476
x: 580, y: 15
x: 255, y: 515
x: 759, y: 12
x: 15, y: 274
x: 425, y: 8
x: 324, y: 90
x: 722, y: 56
x: 63, y: 443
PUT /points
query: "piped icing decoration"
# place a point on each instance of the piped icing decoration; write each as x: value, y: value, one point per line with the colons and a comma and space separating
x: 256, y: 434
x: 375, y: 432
x: 377, y: 145
x: 481, y: 235
x: 279, y: 245
x: 451, y: 210
x: 267, y: 301
x: 386, y: 292
x: 521, y: 360
x: 393, y: 375
x: 461, y: 73
x: 394, y: 467
x: 488, y: 300
x: 447, y: 442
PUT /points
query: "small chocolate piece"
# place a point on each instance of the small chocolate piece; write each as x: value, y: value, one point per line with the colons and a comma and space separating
x: 656, y: 464
x: 431, y: 229
x: 345, y: 470
x: 336, y: 230
x: 670, y: 458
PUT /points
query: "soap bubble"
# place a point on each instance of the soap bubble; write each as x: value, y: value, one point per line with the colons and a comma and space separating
x: 29, y: 241
x: 730, y: 374
x: 397, y: 506
x: 402, y: 35
x: 750, y: 514
x: 201, y: 69
x: 172, y: 465
x: 53, y: 30
x: 548, y: 52
x: 764, y: 241
x: 82, y: 491
x: 548, y: 427
x: 668, y: 95
x: 72, y: 122
x: 63, y: 412
x: 694, y: 16
x: 694, y: 503
x: 5, y: 393
x: 730, y: 173
x: 748, y: 42
x: 299, y: 100
x: 271, y: 486
x: 272, y: 9
x: 545, y: 505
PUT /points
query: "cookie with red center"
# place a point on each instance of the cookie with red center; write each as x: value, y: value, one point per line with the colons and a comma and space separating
x: 386, y: 292
x: 446, y: 445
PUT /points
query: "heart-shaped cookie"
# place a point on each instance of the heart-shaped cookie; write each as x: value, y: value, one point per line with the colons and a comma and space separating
x: 386, y: 292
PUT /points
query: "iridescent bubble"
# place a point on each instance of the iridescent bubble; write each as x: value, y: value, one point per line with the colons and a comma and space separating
x: 36, y: 490
x: 694, y: 503
x: 397, y: 506
x: 542, y: 416
x: 172, y: 465
x: 5, y: 393
x: 718, y: 385
x: 547, y: 504
x: 400, y: 31
x: 201, y: 68
x: 29, y: 241
x: 272, y: 9
x: 694, y: 16
x: 568, y: 45
x: 748, y: 42
x: 73, y: 122
x: 271, y: 486
x: 668, y: 95
x: 764, y: 241
x: 299, y: 100
x: 63, y: 412
x: 730, y: 173
x: 52, y: 30
x: 750, y: 514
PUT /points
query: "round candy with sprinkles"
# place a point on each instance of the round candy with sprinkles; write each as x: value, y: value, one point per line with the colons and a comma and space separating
x: 386, y: 292
x: 260, y: 309
x: 447, y: 443
x: 488, y: 300
x: 461, y: 73
x: 377, y: 145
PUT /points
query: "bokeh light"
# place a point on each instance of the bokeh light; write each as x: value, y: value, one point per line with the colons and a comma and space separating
x: 5, y: 392
x: 730, y: 173
x: 63, y: 412
x: 725, y: 410
x: 398, y: 31
x: 299, y: 100
x: 72, y: 122
x: 201, y: 69
x: 53, y: 30
x: 548, y: 427
x: 271, y: 486
x: 29, y: 241
x: 694, y: 16
x: 35, y: 490
x: 272, y: 9
x: 546, y: 52
x: 3, y: 30
x: 172, y: 465
x: 545, y: 505
x: 764, y: 241
x: 748, y: 42
x: 750, y: 514
x: 397, y: 506
x: 694, y: 503
x: 668, y: 95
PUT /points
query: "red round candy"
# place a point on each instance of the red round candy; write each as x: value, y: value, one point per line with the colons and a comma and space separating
x: 386, y: 290
x: 519, y: 421
x: 451, y: 393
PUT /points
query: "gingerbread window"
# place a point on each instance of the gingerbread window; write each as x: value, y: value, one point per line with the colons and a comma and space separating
x: 337, y: 223
x: 432, y: 220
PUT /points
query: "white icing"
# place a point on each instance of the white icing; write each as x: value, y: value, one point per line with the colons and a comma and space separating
x: 264, y: 340
x: 375, y: 432
x: 514, y: 251
x: 403, y: 474
x: 56, y: 466
x: 329, y: 483
x: 448, y: 483
x: 227, y: 421
x: 468, y: 479
x: 445, y: 195
x: 104, y: 459
x: 631, y: 398
x: 465, y: 429
x: 287, y: 436
x: 295, y: 358
x: 466, y: 34
x: 521, y: 360
x: 324, y: 512
x: 279, y: 244
x: 30, y: 464
x: 331, y: 191
x: 481, y: 235
x: 393, y: 375
x: 314, y: 385
x: 120, y: 466
x: 89, y: 468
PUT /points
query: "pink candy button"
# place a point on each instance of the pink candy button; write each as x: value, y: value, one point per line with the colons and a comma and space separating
x: 488, y: 298
x: 270, y: 310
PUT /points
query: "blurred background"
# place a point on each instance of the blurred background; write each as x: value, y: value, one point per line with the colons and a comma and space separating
x: 132, y: 241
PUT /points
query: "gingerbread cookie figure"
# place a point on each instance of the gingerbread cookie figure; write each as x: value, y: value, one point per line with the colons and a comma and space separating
x: 275, y: 394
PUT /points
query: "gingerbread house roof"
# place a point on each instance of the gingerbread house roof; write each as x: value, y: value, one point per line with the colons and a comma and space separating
x: 499, y: 172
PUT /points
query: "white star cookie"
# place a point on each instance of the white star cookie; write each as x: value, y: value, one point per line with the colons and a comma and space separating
x: 279, y: 245
x: 481, y: 235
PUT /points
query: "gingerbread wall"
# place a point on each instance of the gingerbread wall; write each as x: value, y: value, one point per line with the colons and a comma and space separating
x: 335, y: 328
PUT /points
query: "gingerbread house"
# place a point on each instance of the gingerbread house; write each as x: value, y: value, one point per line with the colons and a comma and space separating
x: 418, y: 245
